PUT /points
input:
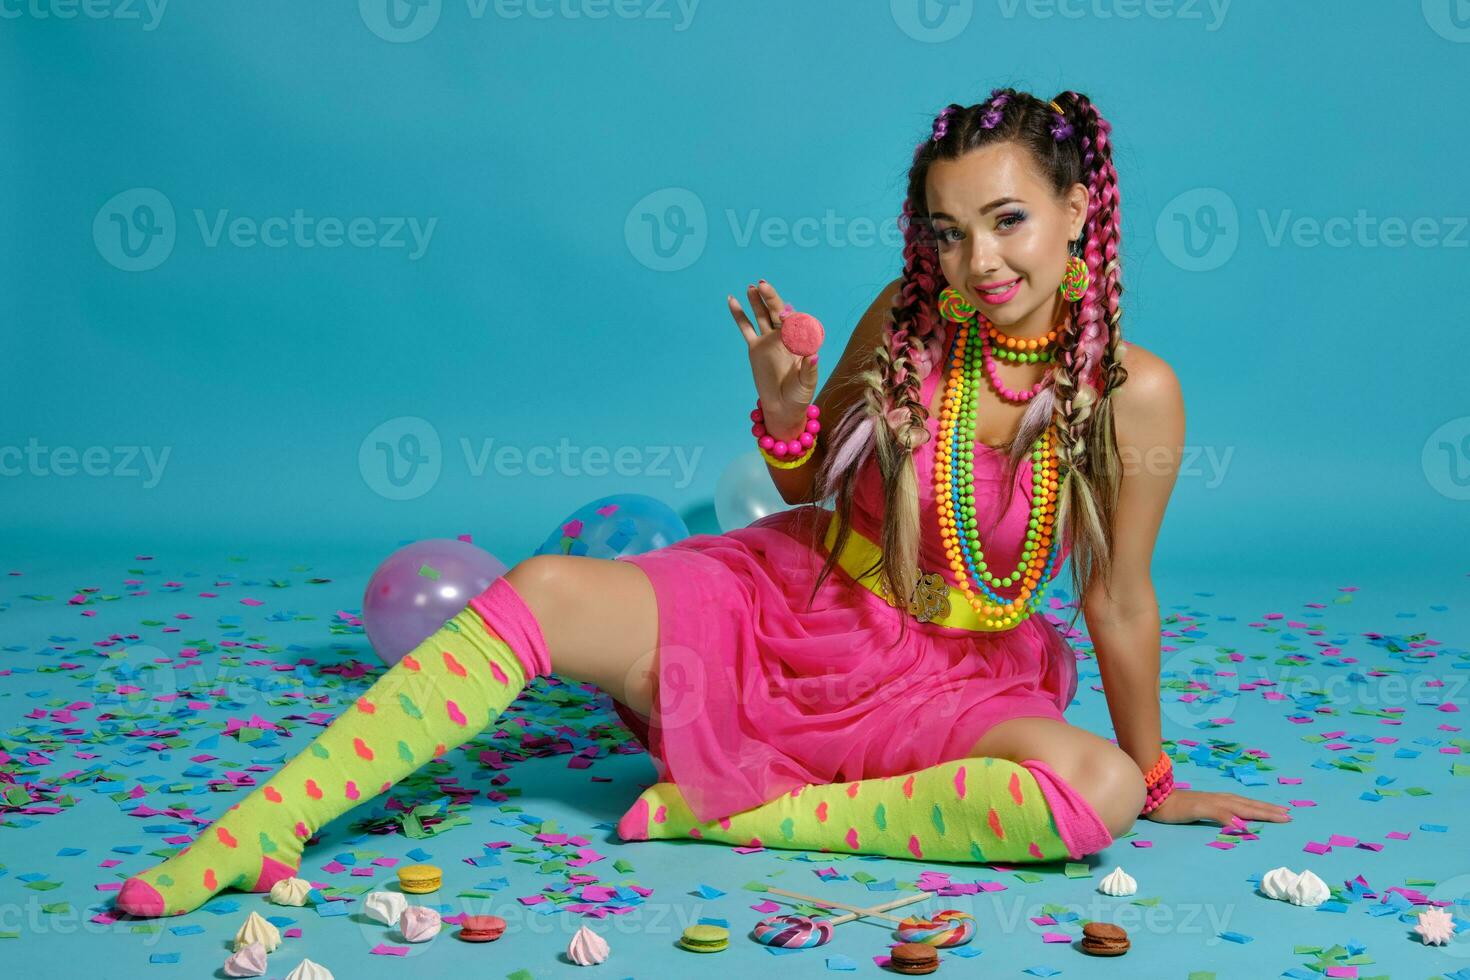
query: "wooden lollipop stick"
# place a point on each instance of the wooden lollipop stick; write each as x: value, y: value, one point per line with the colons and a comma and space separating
x: 856, y: 910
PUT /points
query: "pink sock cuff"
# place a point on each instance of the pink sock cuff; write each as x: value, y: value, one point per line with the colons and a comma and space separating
x: 1081, y: 829
x: 505, y: 613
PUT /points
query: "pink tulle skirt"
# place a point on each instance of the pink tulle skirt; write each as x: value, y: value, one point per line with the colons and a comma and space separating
x: 759, y: 692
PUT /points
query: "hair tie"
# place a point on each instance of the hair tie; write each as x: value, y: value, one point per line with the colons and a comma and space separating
x: 992, y: 118
x: 1062, y: 130
x: 941, y: 123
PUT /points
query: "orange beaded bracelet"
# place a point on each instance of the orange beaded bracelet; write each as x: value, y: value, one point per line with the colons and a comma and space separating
x: 1160, y: 783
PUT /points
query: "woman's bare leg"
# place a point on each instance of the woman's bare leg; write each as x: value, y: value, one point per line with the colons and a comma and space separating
x: 599, y: 619
x: 1106, y: 776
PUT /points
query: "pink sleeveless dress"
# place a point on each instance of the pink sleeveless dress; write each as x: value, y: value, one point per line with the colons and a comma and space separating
x: 759, y: 693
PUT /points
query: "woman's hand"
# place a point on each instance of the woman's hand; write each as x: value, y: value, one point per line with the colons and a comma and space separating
x: 785, y: 383
x: 1187, y: 806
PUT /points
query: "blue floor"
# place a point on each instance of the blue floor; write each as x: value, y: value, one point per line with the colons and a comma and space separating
x: 120, y: 677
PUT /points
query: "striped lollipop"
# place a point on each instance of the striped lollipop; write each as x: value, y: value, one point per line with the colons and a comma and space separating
x: 950, y: 927
x: 793, y: 931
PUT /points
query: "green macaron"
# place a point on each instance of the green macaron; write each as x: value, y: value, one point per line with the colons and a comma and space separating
x: 705, y: 939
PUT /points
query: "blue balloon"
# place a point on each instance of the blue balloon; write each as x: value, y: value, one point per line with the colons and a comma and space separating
x: 622, y: 524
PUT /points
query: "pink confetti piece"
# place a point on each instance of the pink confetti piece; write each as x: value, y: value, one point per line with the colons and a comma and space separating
x: 383, y: 949
x: 1055, y: 937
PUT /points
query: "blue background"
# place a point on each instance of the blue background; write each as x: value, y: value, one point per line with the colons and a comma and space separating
x: 540, y: 311
x: 590, y: 182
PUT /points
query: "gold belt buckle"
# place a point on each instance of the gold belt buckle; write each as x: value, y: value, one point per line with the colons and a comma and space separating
x: 930, y: 599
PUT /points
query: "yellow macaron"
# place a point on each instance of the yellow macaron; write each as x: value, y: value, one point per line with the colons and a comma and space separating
x: 420, y: 879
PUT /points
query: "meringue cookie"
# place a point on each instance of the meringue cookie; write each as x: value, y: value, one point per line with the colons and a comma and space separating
x: 1308, y: 890
x: 386, y: 907
x: 248, y: 962
x: 418, y: 924
x: 307, y: 970
x: 290, y: 891
x: 257, y: 930
x: 1118, y: 882
x: 1435, y: 927
x: 587, y: 948
x: 1277, y: 882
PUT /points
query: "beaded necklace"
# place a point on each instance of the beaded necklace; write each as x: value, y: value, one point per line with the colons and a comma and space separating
x: 954, y: 460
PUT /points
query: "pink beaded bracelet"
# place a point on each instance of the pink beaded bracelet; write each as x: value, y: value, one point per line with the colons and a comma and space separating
x: 1160, y: 783
x: 786, y: 450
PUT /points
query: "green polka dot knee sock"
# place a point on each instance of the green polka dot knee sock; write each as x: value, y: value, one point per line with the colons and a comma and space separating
x: 967, y: 810
x: 436, y: 698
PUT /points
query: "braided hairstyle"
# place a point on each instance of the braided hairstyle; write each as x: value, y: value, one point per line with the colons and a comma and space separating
x: 1068, y: 148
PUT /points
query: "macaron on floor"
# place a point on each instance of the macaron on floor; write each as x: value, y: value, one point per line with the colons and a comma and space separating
x: 141, y: 695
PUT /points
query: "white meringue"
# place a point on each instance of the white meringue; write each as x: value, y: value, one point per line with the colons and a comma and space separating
x: 587, y: 948
x: 257, y: 930
x: 1308, y: 890
x: 290, y: 891
x: 247, y: 962
x: 307, y: 970
x: 418, y: 924
x: 1277, y: 882
x: 386, y: 907
x: 1118, y: 882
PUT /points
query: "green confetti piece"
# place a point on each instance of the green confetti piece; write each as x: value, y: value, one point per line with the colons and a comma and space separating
x: 429, y: 573
x: 1077, y: 869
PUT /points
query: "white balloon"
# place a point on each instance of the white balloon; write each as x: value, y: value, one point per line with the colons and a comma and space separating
x: 745, y: 492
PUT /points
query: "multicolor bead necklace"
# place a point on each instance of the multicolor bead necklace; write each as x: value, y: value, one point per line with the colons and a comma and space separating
x: 954, y: 460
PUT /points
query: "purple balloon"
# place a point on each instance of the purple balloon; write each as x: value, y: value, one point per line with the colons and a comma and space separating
x: 402, y: 608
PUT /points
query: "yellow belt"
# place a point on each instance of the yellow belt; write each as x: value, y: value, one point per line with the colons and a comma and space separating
x: 934, y: 600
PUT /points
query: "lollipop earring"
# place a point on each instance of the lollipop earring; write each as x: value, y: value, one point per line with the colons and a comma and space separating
x: 953, y: 306
x: 1075, y: 279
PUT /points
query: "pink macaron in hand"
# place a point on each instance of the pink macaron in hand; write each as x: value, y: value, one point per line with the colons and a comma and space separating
x: 801, y: 333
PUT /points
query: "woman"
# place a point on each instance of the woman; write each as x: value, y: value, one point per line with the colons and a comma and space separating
x: 784, y: 696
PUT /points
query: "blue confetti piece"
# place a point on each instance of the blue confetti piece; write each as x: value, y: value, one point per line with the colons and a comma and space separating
x: 840, y: 963
x: 1041, y: 971
x: 1436, y: 827
x: 186, y: 930
x: 1297, y: 973
x: 164, y: 958
x: 1237, y: 937
x: 711, y: 921
x: 966, y: 951
x: 329, y: 909
x: 419, y: 854
x: 227, y: 907
x: 708, y: 891
x: 1332, y: 907
x: 70, y: 852
x: 280, y: 921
